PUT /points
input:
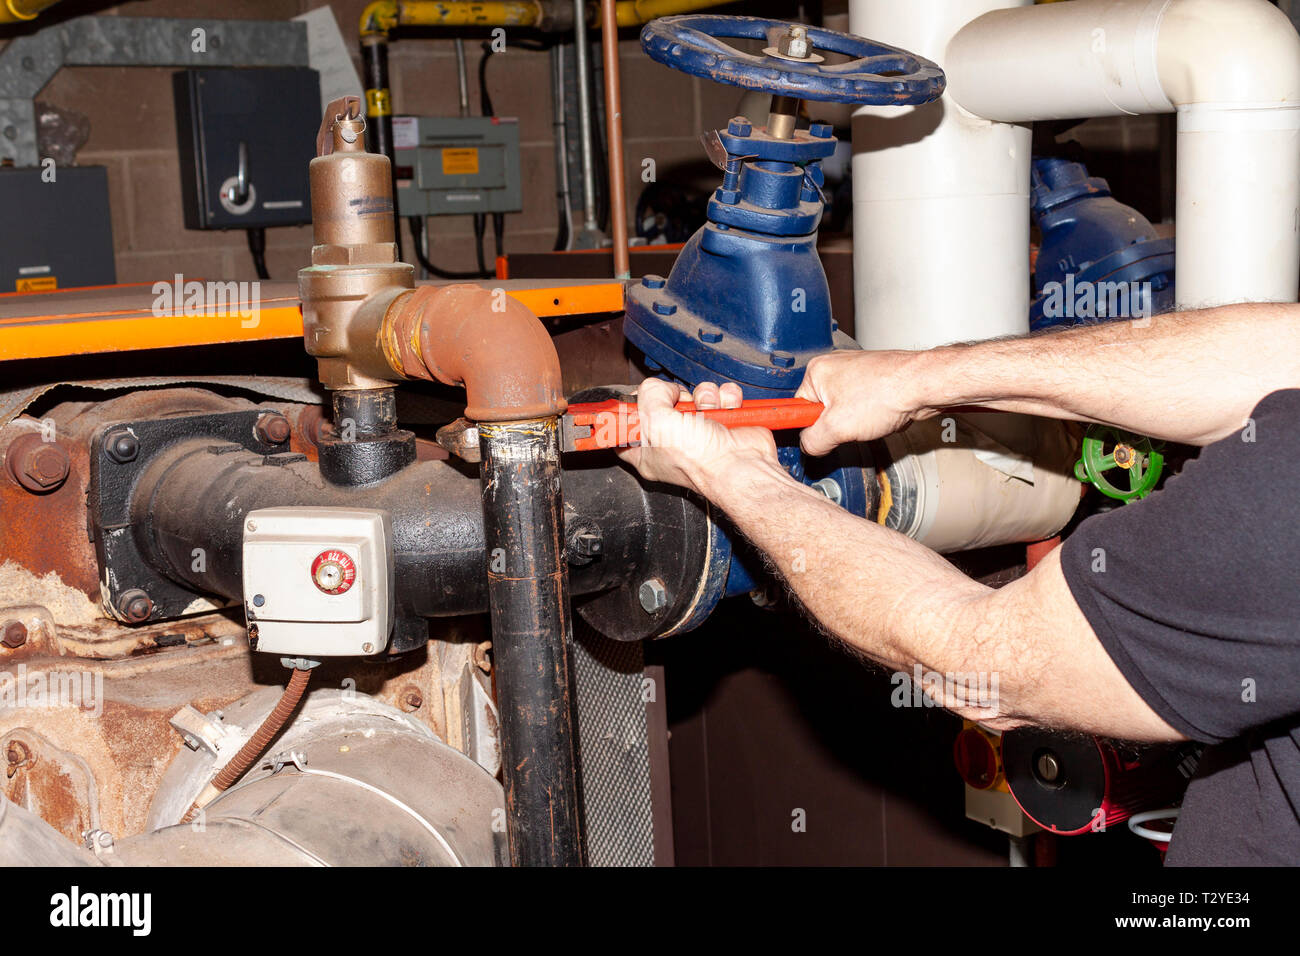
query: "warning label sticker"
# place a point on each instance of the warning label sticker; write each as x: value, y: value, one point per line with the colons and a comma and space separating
x: 461, y: 161
x: 37, y: 284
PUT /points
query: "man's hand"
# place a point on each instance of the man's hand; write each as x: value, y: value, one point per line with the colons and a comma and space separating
x: 689, y: 450
x: 867, y: 395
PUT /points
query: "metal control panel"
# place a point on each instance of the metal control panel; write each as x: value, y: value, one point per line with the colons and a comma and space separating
x: 318, y: 582
x: 246, y: 137
x: 60, y: 234
x: 451, y: 166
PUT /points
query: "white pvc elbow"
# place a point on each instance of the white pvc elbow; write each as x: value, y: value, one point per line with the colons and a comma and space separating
x: 1231, y: 69
x: 1111, y: 57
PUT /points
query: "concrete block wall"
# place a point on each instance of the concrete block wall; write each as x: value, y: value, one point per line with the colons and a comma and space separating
x: 133, y: 134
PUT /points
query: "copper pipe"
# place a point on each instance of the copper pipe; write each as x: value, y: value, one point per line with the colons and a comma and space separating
x: 482, y: 339
x: 614, y: 134
x: 256, y: 744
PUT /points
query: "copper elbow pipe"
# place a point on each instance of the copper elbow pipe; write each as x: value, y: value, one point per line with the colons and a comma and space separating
x: 481, y: 339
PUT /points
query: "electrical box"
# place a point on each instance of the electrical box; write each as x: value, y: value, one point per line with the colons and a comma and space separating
x: 318, y: 582
x: 246, y: 137
x: 456, y: 165
x: 60, y: 234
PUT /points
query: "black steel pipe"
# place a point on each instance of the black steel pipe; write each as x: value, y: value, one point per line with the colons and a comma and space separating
x: 365, y: 445
x: 371, y: 412
x: 379, y: 115
x: 532, y: 638
x: 194, y: 495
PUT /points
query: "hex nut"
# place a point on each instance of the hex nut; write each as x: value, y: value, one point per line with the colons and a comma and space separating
x: 38, y: 465
x: 583, y: 542
x: 135, y: 606
x: 653, y: 595
x: 13, y: 634
x: 272, y: 428
x: 411, y: 699
x: 121, y: 446
x: 830, y: 488
x: 794, y: 42
x: 48, y: 465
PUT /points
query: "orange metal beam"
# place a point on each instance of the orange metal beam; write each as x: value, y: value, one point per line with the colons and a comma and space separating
x: 123, y: 319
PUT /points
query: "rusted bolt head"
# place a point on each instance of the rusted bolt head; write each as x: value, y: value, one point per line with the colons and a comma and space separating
x: 273, y: 428
x: 13, y: 634
x: 121, y: 446
x: 36, y: 464
x: 410, y: 699
x: 17, y: 753
x: 135, y: 605
x: 47, y: 465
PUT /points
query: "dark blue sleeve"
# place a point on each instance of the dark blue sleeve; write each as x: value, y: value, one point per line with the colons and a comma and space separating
x: 1195, y: 591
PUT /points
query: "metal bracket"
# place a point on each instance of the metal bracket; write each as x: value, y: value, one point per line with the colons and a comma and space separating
x: 120, y: 454
x: 28, y: 63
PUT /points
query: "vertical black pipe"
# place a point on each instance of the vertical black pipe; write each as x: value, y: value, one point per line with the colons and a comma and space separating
x: 372, y: 411
x: 379, y: 114
x: 365, y: 444
x: 532, y: 637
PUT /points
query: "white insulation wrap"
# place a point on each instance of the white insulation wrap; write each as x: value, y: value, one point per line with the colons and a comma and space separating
x: 970, y: 481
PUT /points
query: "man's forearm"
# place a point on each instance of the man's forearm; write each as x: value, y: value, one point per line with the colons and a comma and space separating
x: 1190, y: 377
x: 870, y: 587
x: 902, y: 605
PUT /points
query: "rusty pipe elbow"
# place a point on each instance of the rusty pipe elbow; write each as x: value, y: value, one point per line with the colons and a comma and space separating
x: 482, y: 339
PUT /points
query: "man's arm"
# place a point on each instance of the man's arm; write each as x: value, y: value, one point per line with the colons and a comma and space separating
x: 892, y: 599
x: 1189, y: 377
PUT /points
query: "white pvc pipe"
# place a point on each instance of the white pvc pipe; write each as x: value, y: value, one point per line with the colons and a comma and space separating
x: 1231, y: 69
x: 941, y: 194
x: 940, y: 200
x: 941, y: 254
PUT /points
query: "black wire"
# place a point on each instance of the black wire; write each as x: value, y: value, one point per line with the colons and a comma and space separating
x: 480, y: 229
x: 257, y: 246
x: 484, y: 97
x: 417, y: 233
x: 498, y: 219
x: 601, y: 161
x: 499, y: 233
x: 562, y: 234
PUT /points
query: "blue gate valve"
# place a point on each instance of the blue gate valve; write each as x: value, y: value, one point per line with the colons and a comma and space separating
x: 1096, y: 252
x: 747, y: 299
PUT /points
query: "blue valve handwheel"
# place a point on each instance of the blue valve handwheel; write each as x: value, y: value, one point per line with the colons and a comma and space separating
x: 878, y: 74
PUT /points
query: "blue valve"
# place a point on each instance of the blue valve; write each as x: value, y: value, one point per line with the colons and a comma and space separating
x: 747, y: 299
x: 878, y: 74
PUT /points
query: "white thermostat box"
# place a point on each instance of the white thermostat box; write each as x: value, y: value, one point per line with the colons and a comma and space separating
x: 318, y: 582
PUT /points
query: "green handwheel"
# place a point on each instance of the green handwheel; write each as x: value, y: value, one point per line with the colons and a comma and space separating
x: 1107, y: 450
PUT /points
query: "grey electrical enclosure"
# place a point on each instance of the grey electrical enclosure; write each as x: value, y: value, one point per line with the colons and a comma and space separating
x: 246, y: 137
x: 452, y: 165
x: 59, y: 234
